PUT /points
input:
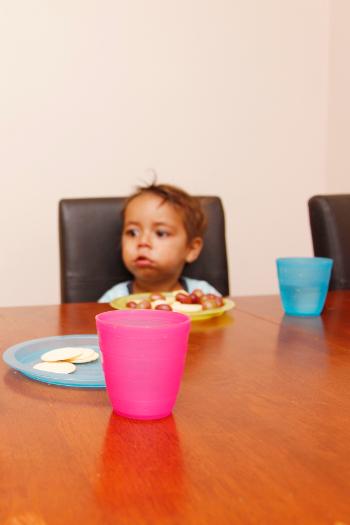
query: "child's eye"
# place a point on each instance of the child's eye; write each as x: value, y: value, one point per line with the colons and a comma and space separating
x: 131, y: 232
x: 162, y: 233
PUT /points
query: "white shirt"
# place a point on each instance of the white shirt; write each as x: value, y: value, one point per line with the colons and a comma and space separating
x: 121, y: 289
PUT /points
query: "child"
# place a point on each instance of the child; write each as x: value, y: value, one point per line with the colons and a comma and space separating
x: 163, y: 230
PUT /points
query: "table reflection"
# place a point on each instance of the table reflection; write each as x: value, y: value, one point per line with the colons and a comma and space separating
x: 311, y: 325
x: 148, y: 455
x: 301, y: 342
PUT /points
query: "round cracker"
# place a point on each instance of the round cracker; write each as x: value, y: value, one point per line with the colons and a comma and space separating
x: 85, y: 352
x: 62, y: 354
x: 60, y: 367
x: 85, y: 359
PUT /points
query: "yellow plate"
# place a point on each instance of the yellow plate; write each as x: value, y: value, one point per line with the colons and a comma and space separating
x: 120, y: 304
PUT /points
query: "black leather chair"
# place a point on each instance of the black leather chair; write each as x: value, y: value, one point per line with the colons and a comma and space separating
x: 330, y: 230
x: 90, y: 250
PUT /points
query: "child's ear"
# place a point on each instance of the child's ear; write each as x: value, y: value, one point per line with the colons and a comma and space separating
x: 194, y: 249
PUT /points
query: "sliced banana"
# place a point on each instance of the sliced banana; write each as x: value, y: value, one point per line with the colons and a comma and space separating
x: 186, y: 308
x: 157, y: 302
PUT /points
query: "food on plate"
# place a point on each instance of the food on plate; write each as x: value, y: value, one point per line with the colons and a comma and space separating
x: 195, y: 299
x: 186, y: 307
x: 63, y: 360
x: 198, y: 292
x: 209, y: 304
x: 217, y: 299
x: 144, y: 305
x: 58, y: 367
x: 178, y: 301
x: 131, y: 304
x: 156, y: 296
x: 163, y: 306
x: 61, y: 354
x: 87, y: 356
x: 183, y: 298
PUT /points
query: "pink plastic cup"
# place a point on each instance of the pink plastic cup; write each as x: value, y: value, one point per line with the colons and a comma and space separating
x: 144, y: 353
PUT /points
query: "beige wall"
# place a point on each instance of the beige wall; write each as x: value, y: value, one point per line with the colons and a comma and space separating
x: 226, y: 97
x: 338, y: 162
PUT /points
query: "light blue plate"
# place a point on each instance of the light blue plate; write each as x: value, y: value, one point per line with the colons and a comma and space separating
x: 24, y: 355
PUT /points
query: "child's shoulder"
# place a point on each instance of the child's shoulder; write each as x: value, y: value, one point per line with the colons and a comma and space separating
x: 118, y: 290
x: 192, y: 284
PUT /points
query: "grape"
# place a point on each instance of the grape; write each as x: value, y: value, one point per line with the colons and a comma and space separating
x: 163, y: 306
x: 198, y: 292
x: 183, y: 298
x: 131, y: 304
x: 195, y: 299
x: 209, y: 296
x: 144, y: 305
x: 208, y: 304
x: 219, y: 301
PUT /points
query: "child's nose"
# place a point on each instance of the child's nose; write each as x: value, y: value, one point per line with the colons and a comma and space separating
x: 144, y: 239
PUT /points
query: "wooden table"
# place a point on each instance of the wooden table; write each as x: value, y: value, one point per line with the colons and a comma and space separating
x: 260, y: 433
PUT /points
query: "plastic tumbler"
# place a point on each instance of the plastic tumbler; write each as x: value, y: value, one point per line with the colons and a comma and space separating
x: 143, y: 353
x: 303, y: 283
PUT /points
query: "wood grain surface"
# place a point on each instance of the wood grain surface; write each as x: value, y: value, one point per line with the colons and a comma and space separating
x: 260, y: 433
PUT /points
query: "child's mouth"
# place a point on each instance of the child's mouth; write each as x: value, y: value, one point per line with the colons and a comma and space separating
x: 143, y: 262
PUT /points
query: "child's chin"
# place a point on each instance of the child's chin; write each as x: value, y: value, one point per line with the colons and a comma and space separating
x: 145, y: 273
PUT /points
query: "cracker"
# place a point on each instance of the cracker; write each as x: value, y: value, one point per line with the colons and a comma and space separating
x: 60, y: 367
x: 85, y: 358
x: 62, y: 354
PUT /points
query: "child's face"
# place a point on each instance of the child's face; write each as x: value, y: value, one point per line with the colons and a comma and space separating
x: 155, y: 246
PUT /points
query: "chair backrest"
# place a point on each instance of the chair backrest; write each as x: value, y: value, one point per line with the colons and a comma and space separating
x: 90, y: 248
x: 330, y: 230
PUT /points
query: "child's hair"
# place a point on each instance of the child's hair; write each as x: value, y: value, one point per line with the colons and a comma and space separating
x: 194, y: 219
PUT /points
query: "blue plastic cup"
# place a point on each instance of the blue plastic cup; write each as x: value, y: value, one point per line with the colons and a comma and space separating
x: 303, y: 283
